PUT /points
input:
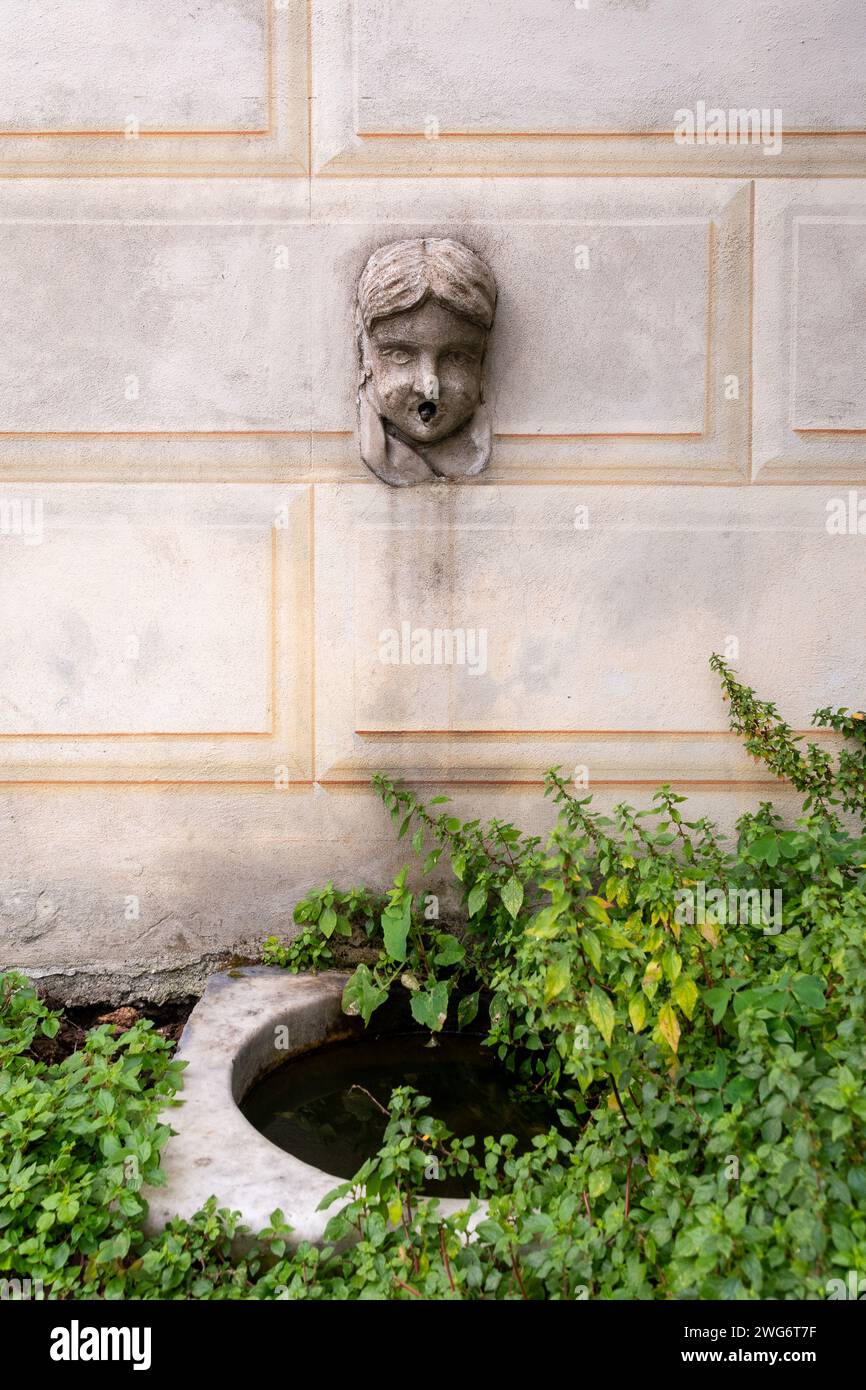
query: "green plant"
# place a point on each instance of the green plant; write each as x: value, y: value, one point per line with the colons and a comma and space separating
x: 323, y: 914
x: 694, y: 1007
x: 79, y: 1139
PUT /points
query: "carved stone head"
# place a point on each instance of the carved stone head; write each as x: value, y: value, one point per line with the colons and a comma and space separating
x: 424, y: 310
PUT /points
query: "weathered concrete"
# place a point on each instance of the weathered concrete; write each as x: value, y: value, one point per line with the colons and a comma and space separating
x: 197, y: 569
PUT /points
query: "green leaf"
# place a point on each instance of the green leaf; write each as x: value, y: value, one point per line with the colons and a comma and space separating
x: 739, y: 1088
x: 599, y: 1182
x: 334, y: 1195
x: 637, y: 1012
x: 685, y: 995
x: 557, y: 979
x: 766, y: 848
x: 467, y: 1010
x: 451, y: 952
x: 489, y: 1231
x: 430, y: 1007
x: 396, y: 920
x: 601, y: 1012
x: 512, y: 896
x: 592, y: 946
x: 809, y: 990
x: 477, y: 899
x: 544, y: 924
x: 672, y: 964
x: 111, y: 1146
x: 597, y: 909
x: 113, y: 1249
x: 362, y: 995
x: 669, y: 1026
x: 710, y: 1079
x: 718, y: 1000
x: 327, y: 922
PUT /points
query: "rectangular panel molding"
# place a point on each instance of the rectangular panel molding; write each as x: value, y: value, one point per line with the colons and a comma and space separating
x: 155, y: 634
x: 107, y: 87
x: 500, y: 631
x: 551, y: 86
x: 810, y: 332
x: 154, y: 330
x: 206, y: 332
x: 110, y: 88
x: 621, y: 344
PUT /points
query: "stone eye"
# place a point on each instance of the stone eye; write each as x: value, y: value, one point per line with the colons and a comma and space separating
x: 398, y: 355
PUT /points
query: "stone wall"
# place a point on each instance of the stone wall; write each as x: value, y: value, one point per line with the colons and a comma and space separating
x: 196, y: 569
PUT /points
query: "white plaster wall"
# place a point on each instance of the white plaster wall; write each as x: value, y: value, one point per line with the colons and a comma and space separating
x: 195, y: 568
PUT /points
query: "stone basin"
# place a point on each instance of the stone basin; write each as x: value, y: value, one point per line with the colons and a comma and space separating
x: 247, y: 1022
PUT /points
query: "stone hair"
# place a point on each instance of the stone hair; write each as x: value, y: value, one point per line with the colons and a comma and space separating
x: 406, y: 274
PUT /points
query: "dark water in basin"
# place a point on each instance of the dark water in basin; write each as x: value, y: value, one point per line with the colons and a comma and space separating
x: 313, y: 1108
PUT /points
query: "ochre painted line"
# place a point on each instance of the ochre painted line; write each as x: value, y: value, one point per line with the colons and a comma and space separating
x: 311, y: 610
x: 269, y: 61
x: 274, y: 630
x: 153, y: 434
x: 751, y: 443
x: 75, y: 737
x: 619, y: 477
x: 337, y: 783
x: 120, y: 134
x: 596, y: 135
x: 163, y: 134
x: 445, y: 781
x: 182, y: 434
x: 854, y: 479
x: 660, y: 734
x: 149, y: 782
x: 600, y: 434
x: 310, y: 92
x: 159, y: 171
x: 709, y: 391
x: 633, y: 171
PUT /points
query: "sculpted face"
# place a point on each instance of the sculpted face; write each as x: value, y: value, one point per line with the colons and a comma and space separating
x: 426, y: 365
